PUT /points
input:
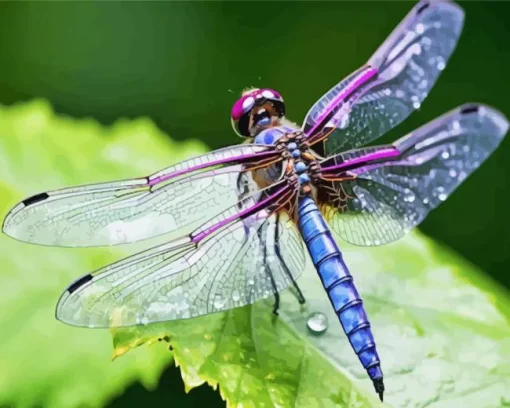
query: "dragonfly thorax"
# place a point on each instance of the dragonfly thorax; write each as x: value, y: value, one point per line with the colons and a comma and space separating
x: 300, y: 163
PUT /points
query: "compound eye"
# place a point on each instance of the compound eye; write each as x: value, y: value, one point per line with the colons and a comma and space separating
x: 248, y: 103
x: 268, y: 94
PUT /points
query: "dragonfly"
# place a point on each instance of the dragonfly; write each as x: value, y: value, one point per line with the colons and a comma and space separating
x: 241, y: 219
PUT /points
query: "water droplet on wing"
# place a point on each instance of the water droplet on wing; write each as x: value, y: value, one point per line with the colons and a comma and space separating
x: 409, y: 196
x: 317, y: 323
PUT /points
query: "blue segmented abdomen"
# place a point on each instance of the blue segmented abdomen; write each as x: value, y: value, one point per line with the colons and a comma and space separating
x: 340, y: 288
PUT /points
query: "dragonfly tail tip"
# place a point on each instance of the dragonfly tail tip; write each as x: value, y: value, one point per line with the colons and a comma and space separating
x: 379, y: 387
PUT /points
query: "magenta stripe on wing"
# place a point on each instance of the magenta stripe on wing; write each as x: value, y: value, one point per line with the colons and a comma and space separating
x: 380, y: 154
x: 232, y: 159
x: 365, y: 75
x: 266, y: 202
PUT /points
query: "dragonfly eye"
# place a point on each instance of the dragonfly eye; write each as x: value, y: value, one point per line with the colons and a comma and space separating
x: 248, y: 104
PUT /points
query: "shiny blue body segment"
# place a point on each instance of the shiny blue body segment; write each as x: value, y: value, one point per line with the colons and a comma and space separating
x: 339, y: 285
x: 271, y: 135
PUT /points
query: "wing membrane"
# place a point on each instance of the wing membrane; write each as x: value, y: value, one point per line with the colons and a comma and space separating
x: 228, y: 267
x: 393, y: 84
x: 174, y: 200
x: 396, y: 186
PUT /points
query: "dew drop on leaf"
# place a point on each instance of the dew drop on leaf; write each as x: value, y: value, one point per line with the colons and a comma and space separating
x: 317, y: 323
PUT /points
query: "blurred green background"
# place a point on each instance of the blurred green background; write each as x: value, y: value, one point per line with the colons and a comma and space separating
x: 184, y: 64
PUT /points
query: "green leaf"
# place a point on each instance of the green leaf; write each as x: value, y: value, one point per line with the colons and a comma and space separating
x: 42, y: 361
x: 441, y: 328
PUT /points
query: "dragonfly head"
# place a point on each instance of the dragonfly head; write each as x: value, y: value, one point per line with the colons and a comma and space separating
x: 256, y: 110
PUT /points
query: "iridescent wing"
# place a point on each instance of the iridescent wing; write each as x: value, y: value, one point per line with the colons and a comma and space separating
x: 241, y: 256
x: 176, y: 199
x: 374, y: 195
x: 395, y: 81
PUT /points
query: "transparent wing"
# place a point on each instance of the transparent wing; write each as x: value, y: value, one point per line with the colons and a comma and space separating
x: 176, y: 199
x: 229, y: 262
x: 388, y: 190
x: 397, y: 78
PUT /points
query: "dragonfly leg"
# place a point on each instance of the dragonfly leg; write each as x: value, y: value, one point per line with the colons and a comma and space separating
x: 300, y: 297
x: 276, y: 305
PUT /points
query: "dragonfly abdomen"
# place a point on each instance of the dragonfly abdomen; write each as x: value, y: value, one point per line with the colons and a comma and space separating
x: 339, y: 286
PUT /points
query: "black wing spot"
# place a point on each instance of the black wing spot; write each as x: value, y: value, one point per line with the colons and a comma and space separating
x: 79, y: 282
x: 35, y: 199
x: 469, y: 109
x: 422, y: 8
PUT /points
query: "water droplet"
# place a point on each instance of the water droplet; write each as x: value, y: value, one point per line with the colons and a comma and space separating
x: 438, y: 190
x: 445, y: 155
x: 441, y: 65
x: 251, y: 281
x: 416, y: 105
x: 317, y: 323
x: 442, y: 196
x: 409, y: 196
x: 452, y: 173
x: 420, y: 28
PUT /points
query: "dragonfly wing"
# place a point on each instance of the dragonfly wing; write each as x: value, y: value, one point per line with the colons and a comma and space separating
x: 227, y: 263
x: 396, y: 186
x: 175, y: 200
x: 397, y: 78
